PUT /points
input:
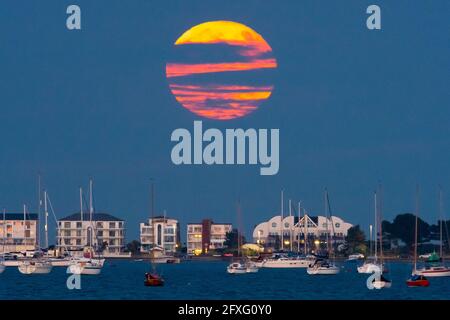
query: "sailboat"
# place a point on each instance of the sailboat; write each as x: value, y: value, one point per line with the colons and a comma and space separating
x: 242, y: 266
x: 39, y: 265
x: 88, y: 265
x: 416, y: 280
x: 322, y: 265
x: 2, y: 262
x: 436, y: 268
x: 380, y: 281
x: 153, y: 279
x: 371, y: 264
x: 281, y: 260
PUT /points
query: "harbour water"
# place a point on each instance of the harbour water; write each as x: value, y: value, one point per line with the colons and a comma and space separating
x: 123, y: 279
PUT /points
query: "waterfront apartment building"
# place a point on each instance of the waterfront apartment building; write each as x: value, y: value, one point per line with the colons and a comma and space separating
x: 205, y: 236
x: 167, y: 235
x: 287, y: 234
x: 75, y: 232
x: 19, y: 232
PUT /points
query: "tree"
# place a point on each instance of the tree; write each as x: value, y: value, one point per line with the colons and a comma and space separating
x: 133, y: 246
x: 232, y: 239
x: 356, y: 239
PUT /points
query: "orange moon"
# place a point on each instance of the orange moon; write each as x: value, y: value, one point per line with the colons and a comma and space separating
x: 221, y: 70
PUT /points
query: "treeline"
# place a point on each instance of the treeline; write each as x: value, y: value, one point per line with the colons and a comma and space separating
x: 399, y: 235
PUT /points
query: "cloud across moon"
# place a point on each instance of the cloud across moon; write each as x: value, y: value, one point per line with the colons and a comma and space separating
x: 220, y: 70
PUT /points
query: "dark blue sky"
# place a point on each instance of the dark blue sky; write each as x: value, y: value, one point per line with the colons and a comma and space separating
x: 354, y: 107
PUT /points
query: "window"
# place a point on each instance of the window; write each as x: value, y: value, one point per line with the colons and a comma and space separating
x: 99, y: 225
x: 337, y: 225
x: 169, y: 230
x: 159, y: 235
x: 66, y: 233
x: 78, y: 242
x: 120, y: 224
x: 169, y: 239
x: 274, y: 224
x: 66, y: 224
x: 112, y: 225
x: 112, y: 233
x: 100, y: 233
x: 79, y: 225
x: 286, y: 225
x: 78, y: 233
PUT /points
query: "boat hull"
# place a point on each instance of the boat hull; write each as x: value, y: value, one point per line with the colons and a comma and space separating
x: 417, y: 283
x: 35, y: 268
x: 2, y: 268
x: 286, y: 264
x: 332, y: 270
x: 440, y: 272
x: 84, y: 269
x: 377, y: 284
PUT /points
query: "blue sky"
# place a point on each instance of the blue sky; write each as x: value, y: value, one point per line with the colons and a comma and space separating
x: 354, y: 107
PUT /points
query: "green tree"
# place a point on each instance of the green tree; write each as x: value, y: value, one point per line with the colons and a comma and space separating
x: 232, y: 239
x: 356, y: 239
x: 403, y: 228
x: 133, y: 246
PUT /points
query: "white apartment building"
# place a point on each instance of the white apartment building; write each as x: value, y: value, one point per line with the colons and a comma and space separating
x: 167, y: 235
x: 291, y: 230
x: 20, y: 232
x: 75, y: 232
x: 205, y: 236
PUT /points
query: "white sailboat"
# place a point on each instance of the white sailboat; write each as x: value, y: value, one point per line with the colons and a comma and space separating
x: 325, y: 266
x: 283, y: 260
x: 243, y: 266
x: 39, y: 265
x: 2, y: 262
x: 379, y: 281
x: 371, y: 264
x: 438, y: 269
x: 87, y: 265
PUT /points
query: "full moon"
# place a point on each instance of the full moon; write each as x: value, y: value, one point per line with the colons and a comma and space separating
x: 221, y: 70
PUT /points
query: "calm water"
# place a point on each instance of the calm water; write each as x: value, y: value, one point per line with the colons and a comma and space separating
x: 209, y: 280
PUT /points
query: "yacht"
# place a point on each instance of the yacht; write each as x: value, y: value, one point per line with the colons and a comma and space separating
x: 86, y: 266
x: 322, y: 267
x: 35, y: 266
x: 284, y: 261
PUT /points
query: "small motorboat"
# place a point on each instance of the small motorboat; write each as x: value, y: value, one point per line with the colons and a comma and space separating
x: 86, y: 266
x: 417, y: 280
x: 153, y: 280
x: 237, y: 268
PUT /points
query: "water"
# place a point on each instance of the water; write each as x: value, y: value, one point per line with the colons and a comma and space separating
x: 209, y: 280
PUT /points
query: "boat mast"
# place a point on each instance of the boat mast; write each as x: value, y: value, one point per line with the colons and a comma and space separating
x: 4, y: 231
x: 305, y: 227
x: 326, y: 219
x: 376, y: 227
x: 290, y: 227
x: 416, y: 230
x: 39, y: 211
x: 81, y: 214
x: 370, y: 239
x: 298, y: 224
x: 281, y: 226
x: 380, y: 218
x: 152, y: 218
x: 441, y: 210
x: 46, y: 220
x: 24, y: 225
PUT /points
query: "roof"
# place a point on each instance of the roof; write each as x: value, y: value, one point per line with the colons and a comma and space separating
x: 19, y: 216
x: 95, y: 217
x: 214, y: 223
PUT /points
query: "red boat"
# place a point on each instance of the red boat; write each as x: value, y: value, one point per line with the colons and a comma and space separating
x: 153, y: 280
x: 417, y: 281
